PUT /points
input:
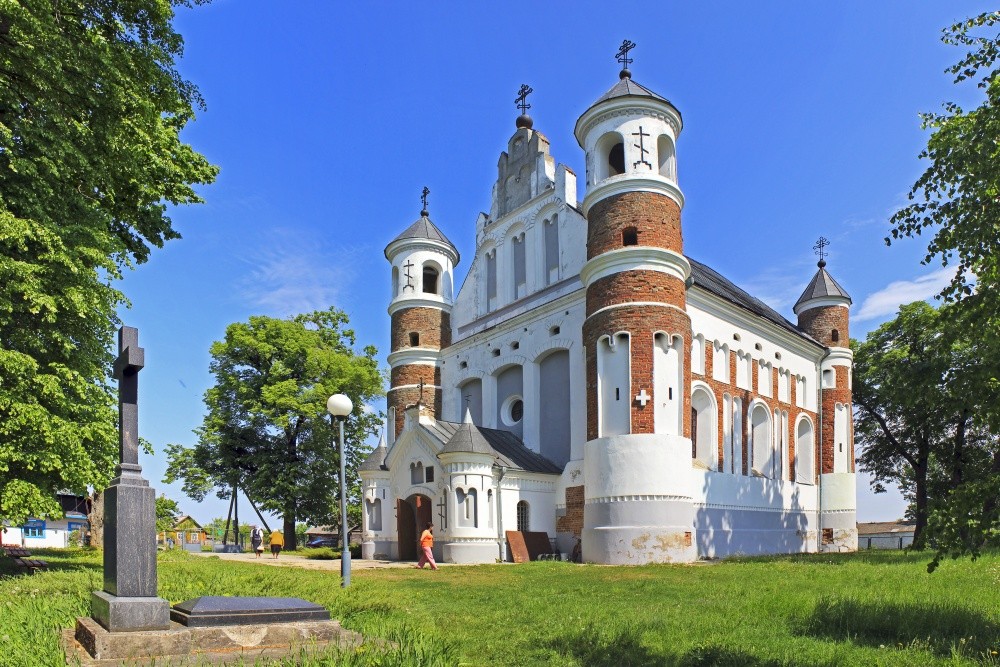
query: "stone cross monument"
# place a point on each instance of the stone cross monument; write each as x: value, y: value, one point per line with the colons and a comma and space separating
x: 128, y: 601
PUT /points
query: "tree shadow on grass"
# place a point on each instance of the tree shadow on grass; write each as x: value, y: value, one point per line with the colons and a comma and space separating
x: 596, y: 648
x: 720, y: 656
x: 938, y: 627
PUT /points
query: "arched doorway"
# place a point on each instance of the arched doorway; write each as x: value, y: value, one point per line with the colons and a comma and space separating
x: 412, y: 515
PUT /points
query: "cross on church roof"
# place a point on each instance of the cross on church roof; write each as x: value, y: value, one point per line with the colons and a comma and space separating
x: 423, y: 201
x: 820, y: 249
x: 622, y: 55
x: 522, y: 96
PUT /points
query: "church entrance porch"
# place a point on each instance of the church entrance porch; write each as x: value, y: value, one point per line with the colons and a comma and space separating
x: 412, y: 515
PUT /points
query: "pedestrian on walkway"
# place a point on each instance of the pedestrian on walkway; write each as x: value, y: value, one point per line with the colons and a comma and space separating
x: 427, y: 547
x: 257, y: 540
x: 277, y: 542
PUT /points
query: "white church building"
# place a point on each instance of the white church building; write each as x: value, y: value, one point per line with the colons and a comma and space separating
x: 592, y: 381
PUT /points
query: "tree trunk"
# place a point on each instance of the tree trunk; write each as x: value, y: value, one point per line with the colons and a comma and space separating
x: 920, y: 493
x: 289, y: 529
x: 96, y: 519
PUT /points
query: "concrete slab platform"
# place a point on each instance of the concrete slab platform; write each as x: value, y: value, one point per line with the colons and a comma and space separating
x: 91, y: 645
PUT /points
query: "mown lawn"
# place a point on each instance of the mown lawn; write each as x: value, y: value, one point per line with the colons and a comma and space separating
x: 860, y: 609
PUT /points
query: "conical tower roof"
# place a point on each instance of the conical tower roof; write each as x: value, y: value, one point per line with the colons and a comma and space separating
x: 822, y: 286
x: 468, y: 439
x: 424, y: 230
x: 376, y: 458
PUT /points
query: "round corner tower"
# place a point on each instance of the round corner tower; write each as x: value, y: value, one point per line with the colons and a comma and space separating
x: 823, y: 313
x: 637, y: 335
x: 423, y: 262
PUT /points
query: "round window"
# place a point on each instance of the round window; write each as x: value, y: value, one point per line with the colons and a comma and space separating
x: 512, y: 411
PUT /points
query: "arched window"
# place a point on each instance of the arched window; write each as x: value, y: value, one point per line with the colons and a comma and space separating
x: 760, y: 440
x: 720, y: 362
x: 829, y: 379
x: 373, y: 514
x: 744, y: 366
x: 668, y: 383
x: 468, y: 511
x: 698, y: 354
x: 395, y: 282
x: 416, y: 473
x: 523, y: 516
x: 491, y: 280
x: 805, y: 461
x: 703, y: 421
x: 630, y: 236
x: 430, y: 280
x: 610, y: 160
x: 841, y: 443
x: 613, y: 385
x: 784, y: 385
x: 551, y: 250
x: 737, y: 466
x: 414, y: 339
x: 666, y: 158
x: 489, y: 507
x: 520, y: 276
x: 835, y: 336
x: 764, y: 378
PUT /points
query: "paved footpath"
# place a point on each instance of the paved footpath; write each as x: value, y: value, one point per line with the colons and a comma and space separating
x: 290, y: 559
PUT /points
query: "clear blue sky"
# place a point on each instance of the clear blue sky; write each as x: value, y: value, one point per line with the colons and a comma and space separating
x: 800, y: 120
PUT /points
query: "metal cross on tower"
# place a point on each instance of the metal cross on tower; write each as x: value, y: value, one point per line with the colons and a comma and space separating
x: 522, y: 96
x: 642, y: 149
x: 622, y: 54
x: 423, y: 200
x: 820, y: 249
x: 409, y: 276
x: 420, y: 395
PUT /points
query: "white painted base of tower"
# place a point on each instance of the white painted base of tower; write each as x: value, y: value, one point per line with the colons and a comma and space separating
x: 637, y: 506
x: 839, y: 512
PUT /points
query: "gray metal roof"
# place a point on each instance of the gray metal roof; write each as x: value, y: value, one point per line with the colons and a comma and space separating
x: 626, y: 87
x: 467, y: 438
x: 375, y: 460
x: 425, y: 229
x: 505, y: 446
x: 822, y: 285
x: 711, y: 280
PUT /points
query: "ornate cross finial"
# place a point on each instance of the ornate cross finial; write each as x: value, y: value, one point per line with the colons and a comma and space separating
x: 622, y: 55
x: 423, y: 201
x: 522, y: 96
x: 642, y: 148
x: 820, y: 249
x: 420, y: 396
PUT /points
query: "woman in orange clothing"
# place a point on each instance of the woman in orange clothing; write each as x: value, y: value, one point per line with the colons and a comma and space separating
x: 277, y: 542
x: 427, y: 547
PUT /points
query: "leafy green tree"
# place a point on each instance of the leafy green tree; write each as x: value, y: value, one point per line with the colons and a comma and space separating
x: 919, y: 417
x: 91, y: 107
x: 958, y: 193
x: 957, y: 199
x: 267, y: 429
x: 167, y: 512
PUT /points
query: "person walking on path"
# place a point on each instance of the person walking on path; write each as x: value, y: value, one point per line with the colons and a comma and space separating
x: 257, y: 540
x: 277, y: 542
x: 427, y: 548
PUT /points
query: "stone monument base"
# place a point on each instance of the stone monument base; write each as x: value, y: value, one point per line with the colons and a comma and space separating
x: 91, y: 645
x: 119, y: 614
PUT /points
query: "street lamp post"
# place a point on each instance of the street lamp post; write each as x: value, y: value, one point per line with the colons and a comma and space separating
x: 339, y: 406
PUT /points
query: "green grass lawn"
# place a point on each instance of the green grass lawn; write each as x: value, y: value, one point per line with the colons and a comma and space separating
x: 859, y: 609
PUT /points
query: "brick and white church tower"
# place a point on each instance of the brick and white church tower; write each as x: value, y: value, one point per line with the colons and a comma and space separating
x: 637, y: 333
x: 593, y: 383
